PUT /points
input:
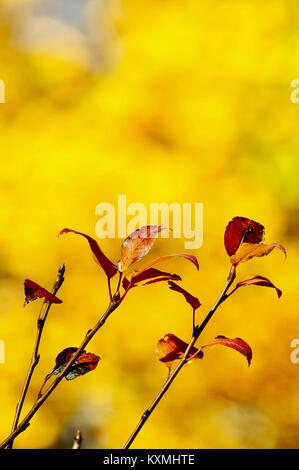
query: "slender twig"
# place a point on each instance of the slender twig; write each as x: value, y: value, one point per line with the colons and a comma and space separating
x: 39, y: 402
x: 119, y: 281
x: 231, y: 292
x: 196, y: 333
x: 77, y: 440
x: 35, y: 355
x: 109, y: 288
x: 193, y: 320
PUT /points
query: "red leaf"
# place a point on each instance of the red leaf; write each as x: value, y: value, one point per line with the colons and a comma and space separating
x: 86, y: 362
x: 240, y: 230
x: 105, y: 263
x: 258, y: 281
x: 163, y: 278
x: 147, y: 268
x: 126, y: 283
x: 193, y: 301
x: 34, y: 291
x: 137, y: 245
x: 171, y: 349
x: 61, y: 361
x: 237, y: 343
x: 150, y: 275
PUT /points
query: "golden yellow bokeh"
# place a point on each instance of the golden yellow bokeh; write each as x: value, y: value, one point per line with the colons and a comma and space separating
x: 173, y: 101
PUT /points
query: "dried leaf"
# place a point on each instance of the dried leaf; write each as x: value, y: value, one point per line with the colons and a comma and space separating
x: 242, y: 230
x: 34, y: 291
x: 86, y: 362
x: 63, y: 358
x: 249, y: 250
x: 109, y: 268
x: 137, y: 245
x: 258, y: 281
x: 193, y: 301
x: 237, y: 343
x: 171, y: 349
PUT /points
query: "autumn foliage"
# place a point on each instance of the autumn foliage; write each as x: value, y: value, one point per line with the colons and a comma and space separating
x: 243, y: 240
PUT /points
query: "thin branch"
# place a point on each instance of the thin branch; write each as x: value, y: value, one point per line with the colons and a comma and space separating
x: 231, y: 292
x: 35, y: 355
x: 39, y: 402
x: 109, y: 288
x: 77, y: 440
x: 196, y: 333
x: 193, y: 320
x: 119, y: 281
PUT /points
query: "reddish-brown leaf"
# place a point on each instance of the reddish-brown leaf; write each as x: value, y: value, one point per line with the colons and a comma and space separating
x: 137, y: 245
x: 61, y: 360
x: 240, y: 230
x: 86, y: 362
x: 193, y: 301
x: 64, y: 356
x: 237, y: 343
x: 250, y: 250
x: 149, y: 275
x: 148, y: 268
x: 126, y: 283
x: 162, y: 278
x: 34, y: 291
x: 109, y: 268
x: 171, y: 349
x: 258, y: 281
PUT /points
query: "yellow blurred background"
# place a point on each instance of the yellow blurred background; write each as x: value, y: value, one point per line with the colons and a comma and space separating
x: 181, y: 100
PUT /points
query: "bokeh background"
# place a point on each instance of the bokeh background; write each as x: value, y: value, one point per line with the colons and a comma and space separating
x: 180, y: 100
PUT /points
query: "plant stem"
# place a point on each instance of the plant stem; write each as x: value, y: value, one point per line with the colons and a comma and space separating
x: 119, y: 281
x: 77, y: 440
x: 193, y: 320
x: 90, y: 334
x: 109, y: 288
x: 35, y: 355
x: 196, y: 333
